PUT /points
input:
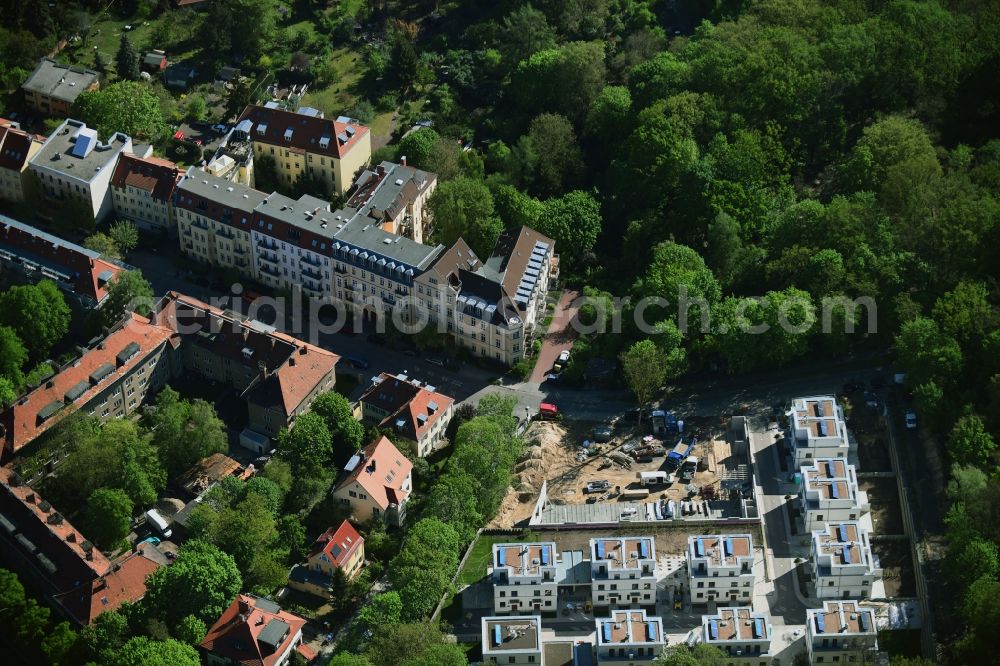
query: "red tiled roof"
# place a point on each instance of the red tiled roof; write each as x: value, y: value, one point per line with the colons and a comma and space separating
x: 382, y: 473
x: 80, y: 263
x: 21, y: 420
x: 235, y: 635
x: 125, y: 582
x: 339, y: 544
x: 402, y: 399
x: 307, y: 652
x: 14, y: 147
x: 306, y: 131
x: 150, y: 174
x: 295, y: 367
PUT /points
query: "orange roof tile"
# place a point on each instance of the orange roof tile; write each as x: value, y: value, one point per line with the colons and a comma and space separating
x: 339, y: 544
x: 236, y: 635
x: 28, y: 418
x: 306, y: 131
x: 382, y: 473
x: 404, y: 399
x: 150, y: 174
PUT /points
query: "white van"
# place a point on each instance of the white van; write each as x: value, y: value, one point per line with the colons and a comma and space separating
x: 159, y: 523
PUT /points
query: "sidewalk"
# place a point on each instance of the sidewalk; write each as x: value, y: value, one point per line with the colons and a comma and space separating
x: 560, y: 335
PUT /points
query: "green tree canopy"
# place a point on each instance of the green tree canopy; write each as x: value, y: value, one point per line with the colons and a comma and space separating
x: 563, y: 80
x: 969, y: 442
x: 307, y: 445
x: 38, y: 313
x: 185, y: 431
x: 645, y: 368
x: 418, y: 147
x: 574, y: 222
x: 552, y: 136
x: 128, y: 292
x: 202, y: 582
x: 129, y: 107
x: 524, y: 32
x: 143, y: 650
x: 127, y: 60
x: 108, y: 517
x: 125, y: 235
x: 13, y: 356
x: 347, y: 432
x: 463, y: 207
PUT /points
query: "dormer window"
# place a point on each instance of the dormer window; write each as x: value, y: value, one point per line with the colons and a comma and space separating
x: 288, y: 134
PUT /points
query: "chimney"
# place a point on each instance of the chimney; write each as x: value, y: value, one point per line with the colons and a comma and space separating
x: 244, y: 606
x: 380, y: 170
x: 402, y: 160
x: 291, y: 362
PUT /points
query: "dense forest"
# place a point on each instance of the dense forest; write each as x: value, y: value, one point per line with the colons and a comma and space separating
x: 785, y: 150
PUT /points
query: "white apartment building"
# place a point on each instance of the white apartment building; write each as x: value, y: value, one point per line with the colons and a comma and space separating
x: 214, y: 218
x: 745, y: 636
x: 142, y: 190
x: 73, y: 164
x: 524, y: 578
x: 623, y: 571
x: 841, y: 632
x: 830, y: 494
x: 512, y: 640
x: 843, y: 563
x: 720, y: 568
x: 629, y: 637
x: 817, y: 429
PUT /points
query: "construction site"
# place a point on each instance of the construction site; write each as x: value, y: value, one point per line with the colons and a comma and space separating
x: 697, y: 471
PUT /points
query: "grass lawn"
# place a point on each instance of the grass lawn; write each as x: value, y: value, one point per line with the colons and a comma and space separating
x: 482, y: 551
x: 338, y: 98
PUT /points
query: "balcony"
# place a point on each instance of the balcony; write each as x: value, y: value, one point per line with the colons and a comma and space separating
x: 238, y: 249
x: 311, y: 290
x: 340, y: 269
x: 187, y: 231
x: 270, y: 258
x: 267, y: 245
x: 223, y: 232
x: 311, y: 273
x: 270, y: 271
x: 389, y: 299
x: 402, y: 291
x: 200, y: 224
x: 312, y: 262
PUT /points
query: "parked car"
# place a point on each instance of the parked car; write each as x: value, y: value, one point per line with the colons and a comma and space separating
x: 433, y: 360
x: 220, y: 128
x: 358, y: 362
x: 871, y: 400
x: 911, y: 419
x: 564, y: 356
x: 597, y: 486
x: 548, y: 411
x: 603, y: 433
x: 179, y: 135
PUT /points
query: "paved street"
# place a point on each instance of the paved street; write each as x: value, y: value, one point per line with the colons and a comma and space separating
x: 560, y: 335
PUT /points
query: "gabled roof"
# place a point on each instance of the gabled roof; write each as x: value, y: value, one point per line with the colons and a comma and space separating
x: 337, y: 545
x: 512, y: 254
x: 408, y: 402
x: 252, y: 632
x: 38, y: 410
x: 154, y: 175
x: 381, y: 472
x: 459, y: 257
x: 125, y: 582
x: 313, y: 134
x: 15, y: 145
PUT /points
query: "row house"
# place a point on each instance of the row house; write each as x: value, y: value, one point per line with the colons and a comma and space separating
x: 376, y: 484
x: 17, y: 147
x: 743, y: 635
x: 720, y: 568
x: 410, y: 408
x: 524, y: 577
x: 75, y: 165
x: 394, y: 196
x: 830, y: 493
x: 512, y: 640
x: 277, y: 375
x: 629, y: 637
x: 844, y: 565
x: 56, y: 561
x: 214, y: 218
x: 817, y: 430
x: 82, y: 274
x: 110, y: 380
x: 52, y: 87
x: 841, y: 632
x: 623, y: 571
x: 142, y: 191
x: 306, y: 143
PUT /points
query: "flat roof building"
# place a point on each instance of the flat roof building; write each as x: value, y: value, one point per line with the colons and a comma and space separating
x: 524, y: 577
x: 720, y: 568
x: 844, y: 565
x: 53, y: 87
x: 739, y: 632
x: 623, y: 571
x: 817, y: 429
x: 841, y: 631
x: 830, y: 493
x: 629, y: 637
x: 512, y: 639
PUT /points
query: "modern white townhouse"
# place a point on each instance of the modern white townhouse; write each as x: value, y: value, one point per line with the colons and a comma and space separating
x: 512, y: 640
x: 743, y: 635
x: 720, y: 568
x: 623, y: 571
x: 841, y: 632
x: 830, y: 494
x: 843, y: 563
x: 629, y: 637
x: 817, y: 429
x: 524, y: 578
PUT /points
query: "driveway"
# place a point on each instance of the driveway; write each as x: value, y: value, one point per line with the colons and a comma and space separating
x: 560, y: 337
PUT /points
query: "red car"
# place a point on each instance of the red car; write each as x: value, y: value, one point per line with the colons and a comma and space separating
x: 179, y: 135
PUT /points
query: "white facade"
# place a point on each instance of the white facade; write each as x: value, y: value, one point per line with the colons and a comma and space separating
x: 817, y: 429
x: 629, y: 637
x: 720, y: 568
x: 743, y: 635
x: 623, y: 571
x: 524, y: 578
x: 843, y: 563
x: 512, y: 639
x: 830, y: 494
x: 74, y: 165
x: 841, y: 632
